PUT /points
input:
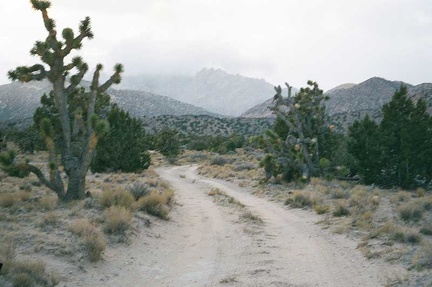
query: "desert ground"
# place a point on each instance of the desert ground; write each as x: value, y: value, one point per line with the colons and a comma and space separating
x: 225, y: 231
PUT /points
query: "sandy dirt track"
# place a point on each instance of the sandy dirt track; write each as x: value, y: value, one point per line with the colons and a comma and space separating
x: 206, y: 244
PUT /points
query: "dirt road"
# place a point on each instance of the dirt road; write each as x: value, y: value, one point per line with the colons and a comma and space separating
x: 206, y: 244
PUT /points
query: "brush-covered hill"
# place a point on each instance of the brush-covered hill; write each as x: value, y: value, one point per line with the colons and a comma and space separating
x: 202, y: 125
x: 18, y: 102
x: 212, y: 89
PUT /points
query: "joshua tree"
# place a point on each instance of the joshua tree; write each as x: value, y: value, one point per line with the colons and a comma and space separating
x: 294, y: 143
x: 81, y: 132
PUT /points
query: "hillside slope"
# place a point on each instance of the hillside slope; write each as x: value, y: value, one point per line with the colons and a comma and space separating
x: 19, y: 101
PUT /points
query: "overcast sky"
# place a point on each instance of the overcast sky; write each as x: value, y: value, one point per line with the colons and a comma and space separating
x: 329, y: 41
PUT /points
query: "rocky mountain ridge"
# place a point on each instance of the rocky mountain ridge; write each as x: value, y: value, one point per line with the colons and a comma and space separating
x: 349, y: 102
x: 212, y: 89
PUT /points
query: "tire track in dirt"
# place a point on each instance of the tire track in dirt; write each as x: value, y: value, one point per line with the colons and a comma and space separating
x: 206, y: 244
x: 290, y: 250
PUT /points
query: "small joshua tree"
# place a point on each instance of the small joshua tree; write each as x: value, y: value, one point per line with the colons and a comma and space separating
x: 81, y: 132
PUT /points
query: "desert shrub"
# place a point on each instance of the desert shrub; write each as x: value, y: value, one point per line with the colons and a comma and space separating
x: 81, y: 227
x: 22, y: 280
x: 7, y: 200
x: 244, y: 166
x: 397, y: 233
x: 138, y: 189
x: 361, y: 218
x: 427, y: 204
x: 218, y: 160
x: 411, y: 212
x: 341, y: 209
x: 197, y: 157
x: 29, y: 273
x: 93, y: 240
x: 402, y: 196
x: 423, y: 258
x: 117, y: 220
x: 154, y: 204
x: 412, y: 237
x: 110, y: 198
x: 7, y: 254
x: 47, y: 202
x: 50, y: 218
x: 249, y: 216
x: 321, y: 208
x: 420, y: 191
x: 426, y: 230
x: 339, y: 193
x: 94, y: 244
x: 300, y: 199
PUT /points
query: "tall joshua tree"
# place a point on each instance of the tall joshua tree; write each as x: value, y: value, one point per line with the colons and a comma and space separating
x: 81, y: 132
x: 294, y: 144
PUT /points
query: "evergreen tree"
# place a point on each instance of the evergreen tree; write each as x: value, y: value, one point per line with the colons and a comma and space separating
x: 365, y: 145
x: 79, y: 136
x: 406, y: 136
x: 398, y: 152
x: 167, y: 143
x: 124, y: 148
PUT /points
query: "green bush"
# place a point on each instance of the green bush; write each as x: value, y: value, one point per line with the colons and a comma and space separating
x: 125, y: 146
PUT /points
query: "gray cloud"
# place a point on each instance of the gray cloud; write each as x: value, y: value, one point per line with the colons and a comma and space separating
x: 332, y: 41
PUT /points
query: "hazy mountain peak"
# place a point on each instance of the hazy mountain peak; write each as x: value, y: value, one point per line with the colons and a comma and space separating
x: 211, y: 88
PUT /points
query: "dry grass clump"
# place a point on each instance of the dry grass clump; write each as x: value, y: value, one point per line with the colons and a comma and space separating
x: 93, y: 240
x: 23, y: 273
x: 156, y: 204
x: 362, y: 219
x: 411, y: 212
x: 119, y: 197
x: 9, y: 199
x: 321, y: 208
x: 215, y: 191
x: 420, y: 191
x: 301, y: 199
x: 118, y: 220
x: 396, y: 233
x: 252, y: 217
x: 219, y: 160
x: 341, y: 209
x: 427, y: 229
x: 94, y: 244
x: 47, y: 202
x: 401, y: 196
x: 423, y: 258
x: 50, y: 218
x: 339, y: 193
x: 138, y: 189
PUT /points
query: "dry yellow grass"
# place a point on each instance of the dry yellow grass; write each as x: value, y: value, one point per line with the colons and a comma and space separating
x: 120, y: 197
x: 156, y: 204
x: 117, y: 220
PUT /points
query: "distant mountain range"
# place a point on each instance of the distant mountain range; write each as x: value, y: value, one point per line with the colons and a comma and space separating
x: 212, y: 89
x: 19, y: 101
x: 349, y: 102
x: 221, y: 93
